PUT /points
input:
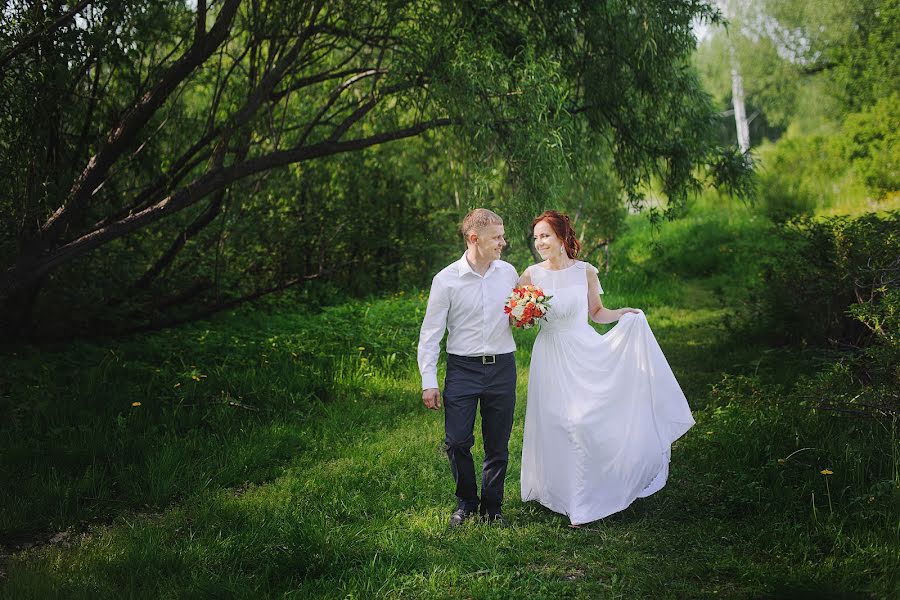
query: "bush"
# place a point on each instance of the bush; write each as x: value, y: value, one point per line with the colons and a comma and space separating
x: 781, y: 201
x: 871, y: 143
x: 797, y: 174
x: 725, y: 248
x: 819, y: 271
x: 801, y: 175
x: 767, y: 451
x: 834, y: 284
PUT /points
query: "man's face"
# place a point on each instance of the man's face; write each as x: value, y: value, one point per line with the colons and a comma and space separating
x: 491, y: 241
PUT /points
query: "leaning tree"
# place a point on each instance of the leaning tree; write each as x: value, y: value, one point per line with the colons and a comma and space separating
x: 128, y: 126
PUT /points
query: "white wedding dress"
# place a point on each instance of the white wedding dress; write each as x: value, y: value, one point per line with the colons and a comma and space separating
x: 603, y: 410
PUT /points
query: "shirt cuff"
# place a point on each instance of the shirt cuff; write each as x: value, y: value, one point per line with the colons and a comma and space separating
x: 429, y: 381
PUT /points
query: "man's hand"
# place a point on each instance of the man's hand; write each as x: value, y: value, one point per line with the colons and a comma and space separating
x: 432, y: 398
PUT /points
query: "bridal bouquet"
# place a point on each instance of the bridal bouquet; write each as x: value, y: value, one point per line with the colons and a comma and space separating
x: 526, y: 305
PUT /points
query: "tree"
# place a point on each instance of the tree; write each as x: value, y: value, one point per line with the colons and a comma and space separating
x: 826, y: 74
x: 132, y: 125
x: 784, y: 46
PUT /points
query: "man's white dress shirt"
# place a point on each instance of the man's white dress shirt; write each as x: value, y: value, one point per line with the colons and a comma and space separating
x: 470, y: 308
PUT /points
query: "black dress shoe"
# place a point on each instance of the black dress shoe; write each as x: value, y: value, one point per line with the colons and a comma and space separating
x: 496, y: 520
x: 459, y: 516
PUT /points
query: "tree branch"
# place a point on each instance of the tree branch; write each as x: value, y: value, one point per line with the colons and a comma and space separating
x: 37, y: 35
x: 201, y: 19
x: 333, y: 98
x: 122, y: 135
x: 30, y: 269
x: 220, y: 306
x: 202, y: 220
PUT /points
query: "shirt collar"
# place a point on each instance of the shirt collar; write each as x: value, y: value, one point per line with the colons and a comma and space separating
x: 464, y: 267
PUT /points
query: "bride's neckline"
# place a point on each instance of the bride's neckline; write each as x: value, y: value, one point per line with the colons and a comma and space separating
x: 558, y: 270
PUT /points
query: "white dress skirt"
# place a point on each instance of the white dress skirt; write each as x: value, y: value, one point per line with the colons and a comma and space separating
x: 603, y: 410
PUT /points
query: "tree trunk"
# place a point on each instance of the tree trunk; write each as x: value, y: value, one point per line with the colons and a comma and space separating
x: 529, y: 241
x: 740, y: 112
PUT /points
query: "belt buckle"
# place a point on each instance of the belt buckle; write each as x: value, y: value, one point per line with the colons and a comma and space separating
x: 488, y: 359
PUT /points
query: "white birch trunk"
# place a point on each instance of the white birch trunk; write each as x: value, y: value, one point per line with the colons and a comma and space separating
x: 740, y: 112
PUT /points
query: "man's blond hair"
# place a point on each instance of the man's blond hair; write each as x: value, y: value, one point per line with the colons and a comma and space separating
x: 477, y: 220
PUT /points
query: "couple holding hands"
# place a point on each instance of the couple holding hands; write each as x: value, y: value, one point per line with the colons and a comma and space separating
x: 602, y: 410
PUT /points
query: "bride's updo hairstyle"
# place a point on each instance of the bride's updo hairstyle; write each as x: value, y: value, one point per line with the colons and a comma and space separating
x: 560, y: 225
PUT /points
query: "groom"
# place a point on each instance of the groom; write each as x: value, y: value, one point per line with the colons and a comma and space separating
x: 467, y: 299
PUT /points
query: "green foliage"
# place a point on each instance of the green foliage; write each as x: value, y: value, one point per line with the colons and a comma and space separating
x: 826, y: 74
x: 281, y: 450
x: 802, y: 175
x: 230, y: 185
x: 775, y: 444
x: 782, y: 45
x: 881, y: 316
x: 781, y: 201
x: 817, y: 272
x: 721, y: 248
x: 842, y: 169
x: 865, y: 66
x: 770, y: 82
x: 796, y: 176
x: 871, y: 143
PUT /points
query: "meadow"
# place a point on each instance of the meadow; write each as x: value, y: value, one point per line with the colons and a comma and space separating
x: 281, y: 450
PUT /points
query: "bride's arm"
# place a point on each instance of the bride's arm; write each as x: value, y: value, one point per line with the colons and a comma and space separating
x: 597, y: 312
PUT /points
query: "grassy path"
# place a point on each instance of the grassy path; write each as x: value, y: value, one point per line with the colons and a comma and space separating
x: 347, y: 496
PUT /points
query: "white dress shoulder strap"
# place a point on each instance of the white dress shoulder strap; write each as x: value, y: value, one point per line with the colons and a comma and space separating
x: 589, y: 272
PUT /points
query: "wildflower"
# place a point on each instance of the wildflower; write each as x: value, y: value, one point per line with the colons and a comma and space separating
x: 361, y: 348
x: 826, y: 472
x: 135, y: 403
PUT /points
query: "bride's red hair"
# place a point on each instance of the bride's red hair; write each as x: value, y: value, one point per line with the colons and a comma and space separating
x: 560, y: 225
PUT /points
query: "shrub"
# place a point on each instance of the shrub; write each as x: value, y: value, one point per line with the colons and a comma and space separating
x: 822, y: 268
x: 763, y: 450
x: 724, y: 251
x: 797, y: 174
x: 781, y: 201
x: 871, y: 143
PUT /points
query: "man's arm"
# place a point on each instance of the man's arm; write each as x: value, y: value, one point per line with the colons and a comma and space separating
x: 433, y: 326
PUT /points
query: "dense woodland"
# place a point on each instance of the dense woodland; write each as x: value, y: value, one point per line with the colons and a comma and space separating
x: 162, y: 161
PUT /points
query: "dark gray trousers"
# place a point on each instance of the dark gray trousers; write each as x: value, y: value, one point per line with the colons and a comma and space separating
x: 468, y: 381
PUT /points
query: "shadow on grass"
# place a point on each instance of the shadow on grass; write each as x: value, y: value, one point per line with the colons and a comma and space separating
x: 91, y: 432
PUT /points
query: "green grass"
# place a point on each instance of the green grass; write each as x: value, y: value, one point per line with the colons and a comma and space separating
x: 288, y: 454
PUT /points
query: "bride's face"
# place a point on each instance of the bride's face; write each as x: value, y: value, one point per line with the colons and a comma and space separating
x: 545, y: 240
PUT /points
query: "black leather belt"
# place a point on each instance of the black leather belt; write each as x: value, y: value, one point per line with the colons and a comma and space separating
x: 487, y: 359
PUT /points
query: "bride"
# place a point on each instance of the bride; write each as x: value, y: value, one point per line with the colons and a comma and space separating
x: 603, y: 410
